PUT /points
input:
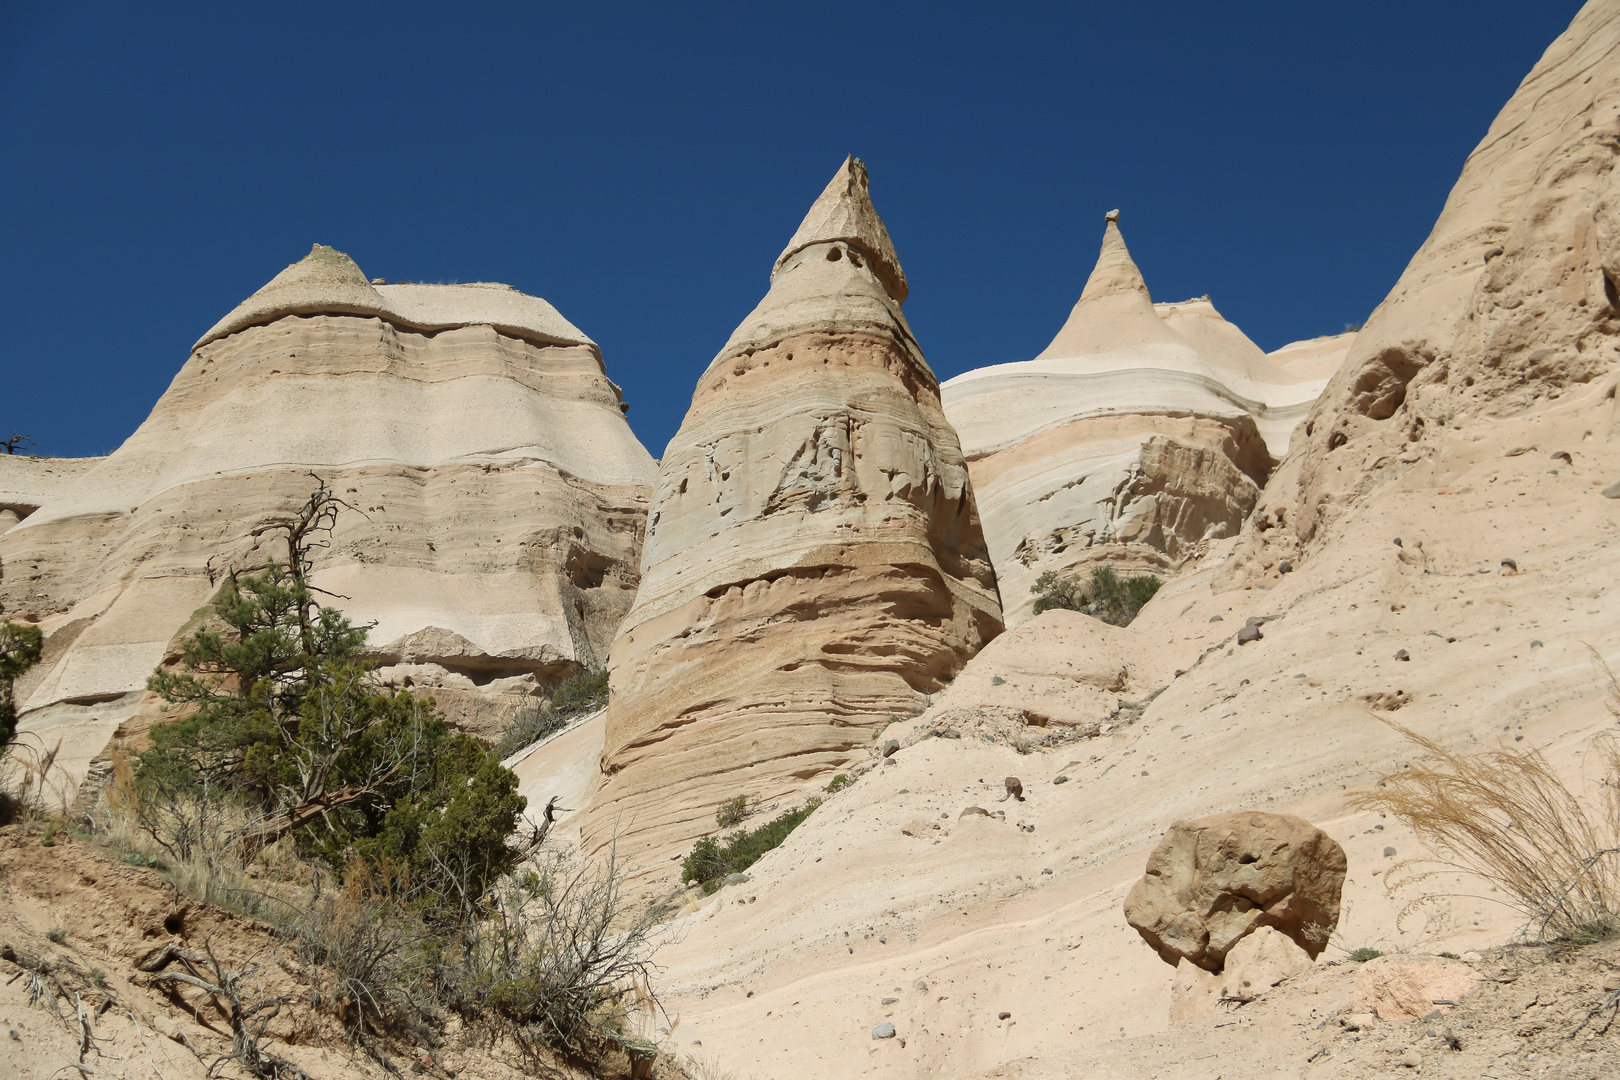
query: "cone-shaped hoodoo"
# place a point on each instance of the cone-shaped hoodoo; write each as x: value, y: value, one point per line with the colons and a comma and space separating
x: 814, y: 562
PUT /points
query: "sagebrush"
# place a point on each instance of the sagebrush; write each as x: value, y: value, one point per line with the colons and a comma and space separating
x: 1107, y: 596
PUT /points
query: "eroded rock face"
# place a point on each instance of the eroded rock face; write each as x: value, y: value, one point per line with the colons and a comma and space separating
x: 500, y: 496
x: 1510, y: 305
x: 1212, y: 881
x: 1141, y: 431
x: 814, y: 562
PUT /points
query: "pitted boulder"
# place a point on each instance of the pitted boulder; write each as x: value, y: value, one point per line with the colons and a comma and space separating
x: 1212, y: 881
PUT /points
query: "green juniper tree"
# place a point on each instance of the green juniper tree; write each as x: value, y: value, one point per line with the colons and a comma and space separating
x: 283, y: 719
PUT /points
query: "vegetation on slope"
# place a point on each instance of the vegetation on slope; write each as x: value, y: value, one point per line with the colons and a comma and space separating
x: 1106, y: 596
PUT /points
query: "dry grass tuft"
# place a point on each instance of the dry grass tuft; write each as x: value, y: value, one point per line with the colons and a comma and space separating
x: 1504, y: 816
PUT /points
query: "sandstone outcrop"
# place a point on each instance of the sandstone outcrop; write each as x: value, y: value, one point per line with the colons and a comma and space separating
x: 1397, y: 988
x: 1510, y: 307
x: 1212, y: 881
x: 499, y: 495
x: 29, y: 482
x: 1142, y: 430
x: 814, y: 563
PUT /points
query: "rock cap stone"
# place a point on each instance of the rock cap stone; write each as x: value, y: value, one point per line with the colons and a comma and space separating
x: 844, y: 213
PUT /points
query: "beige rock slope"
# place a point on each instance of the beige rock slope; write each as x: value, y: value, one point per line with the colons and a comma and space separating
x: 28, y: 482
x: 998, y: 947
x: 1141, y: 431
x: 1508, y: 310
x: 500, y: 495
x: 814, y: 561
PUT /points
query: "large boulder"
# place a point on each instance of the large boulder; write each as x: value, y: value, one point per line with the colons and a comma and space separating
x: 1215, y: 880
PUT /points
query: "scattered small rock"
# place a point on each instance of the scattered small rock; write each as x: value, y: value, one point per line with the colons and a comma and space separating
x: 1003, y: 1016
x: 1060, y: 780
x: 888, y: 1001
x: 891, y: 747
x: 1411, y: 1059
x: 1285, y: 567
x: 1361, y: 1021
x: 970, y: 810
x: 1510, y: 565
x: 1611, y: 981
x: 1249, y: 633
x: 1389, y: 853
x: 1612, y: 491
x: 1402, y: 654
x: 1397, y: 541
x: 1048, y: 870
x: 1563, y: 455
x: 884, y: 1030
x: 996, y: 680
x: 1216, y: 618
x: 737, y: 879
x: 1535, y: 643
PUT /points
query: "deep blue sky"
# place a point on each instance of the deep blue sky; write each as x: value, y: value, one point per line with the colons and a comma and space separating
x: 640, y: 166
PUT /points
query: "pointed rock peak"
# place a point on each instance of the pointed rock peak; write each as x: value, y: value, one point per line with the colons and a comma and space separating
x: 1115, y: 271
x: 323, y: 265
x: 844, y: 214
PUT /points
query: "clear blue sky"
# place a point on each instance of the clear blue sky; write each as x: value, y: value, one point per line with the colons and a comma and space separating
x: 640, y: 166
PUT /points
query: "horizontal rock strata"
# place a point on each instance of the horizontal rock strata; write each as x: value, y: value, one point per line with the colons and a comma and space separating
x: 1141, y: 431
x: 814, y: 562
x: 499, y: 495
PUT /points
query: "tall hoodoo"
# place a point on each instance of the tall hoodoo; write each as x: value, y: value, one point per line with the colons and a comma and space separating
x: 501, y: 496
x: 814, y: 562
x: 1140, y: 431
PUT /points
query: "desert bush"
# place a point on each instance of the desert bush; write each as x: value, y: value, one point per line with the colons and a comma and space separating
x: 839, y: 783
x: 580, y: 693
x: 731, y: 812
x: 1107, y: 596
x: 710, y: 860
x: 1361, y: 956
x: 20, y: 646
x: 1505, y: 816
x: 561, y: 955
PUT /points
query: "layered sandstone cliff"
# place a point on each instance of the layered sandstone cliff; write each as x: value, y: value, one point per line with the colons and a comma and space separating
x: 1509, y: 309
x: 814, y: 561
x: 1141, y: 431
x: 500, y: 496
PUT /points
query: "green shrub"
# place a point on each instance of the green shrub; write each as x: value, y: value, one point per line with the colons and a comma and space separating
x: 1108, y: 596
x: 20, y: 646
x: 839, y: 783
x: 292, y: 735
x: 1361, y: 956
x: 710, y: 860
x: 57, y: 935
x: 731, y: 812
x: 580, y: 693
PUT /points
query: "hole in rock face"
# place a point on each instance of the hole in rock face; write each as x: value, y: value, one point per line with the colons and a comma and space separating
x: 834, y: 254
x: 175, y: 923
x: 1609, y: 292
x: 854, y: 258
x: 1337, y: 439
x: 1247, y: 859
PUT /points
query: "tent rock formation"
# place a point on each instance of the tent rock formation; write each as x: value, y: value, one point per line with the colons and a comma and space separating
x: 1141, y: 430
x: 502, y: 496
x: 814, y: 562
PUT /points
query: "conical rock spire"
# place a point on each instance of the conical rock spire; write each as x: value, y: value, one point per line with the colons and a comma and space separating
x: 844, y: 213
x: 813, y: 507
x: 1115, y: 309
